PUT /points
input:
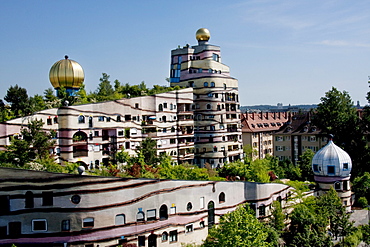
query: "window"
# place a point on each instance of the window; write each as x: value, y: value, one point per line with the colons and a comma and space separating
x: 173, y: 236
x: 136, y: 105
x: 140, y: 216
x: 315, y: 167
x: 205, y: 84
x: 209, y: 107
x: 164, y: 105
x: 101, y: 118
x: 29, y: 200
x: 88, y: 222
x: 337, y: 185
x: 201, y: 224
x: 331, y: 169
x: 221, y: 197
x: 96, y: 133
x: 164, y: 236
x: 141, y: 240
x: 345, y: 166
x: 75, y: 199
x: 211, y: 214
x: 160, y: 107
x: 189, y: 228
x: 108, y: 119
x: 201, y: 202
x: 39, y: 225
x: 151, y: 214
x: 262, y: 210
x: 172, y: 141
x: 172, y: 210
x: 212, y: 84
x: 47, y: 198
x: 55, y: 119
x: 118, y: 118
x: 189, y: 206
x: 81, y: 119
x: 120, y: 219
x: 345, y: 185
x: 163, y: 212
x: 66, y: 225
x: 48, y: 121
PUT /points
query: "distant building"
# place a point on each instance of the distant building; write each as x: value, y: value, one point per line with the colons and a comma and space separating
x: 297, y: 135
x: 258, y: 130
x: 54, y: 210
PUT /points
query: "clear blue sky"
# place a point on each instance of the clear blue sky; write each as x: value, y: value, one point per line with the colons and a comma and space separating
x: 290, y: 51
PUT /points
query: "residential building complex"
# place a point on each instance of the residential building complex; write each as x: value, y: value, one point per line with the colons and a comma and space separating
x: 55, y: 210
x: 217, y: 127
x: 258, y: 131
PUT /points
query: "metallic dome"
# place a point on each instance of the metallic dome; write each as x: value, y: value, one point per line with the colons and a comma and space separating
x: 332, y: 161
x: 203, y: 34
x: 66, y: 73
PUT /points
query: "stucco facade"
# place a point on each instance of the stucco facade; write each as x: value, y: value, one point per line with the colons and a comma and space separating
x: 49, y: 209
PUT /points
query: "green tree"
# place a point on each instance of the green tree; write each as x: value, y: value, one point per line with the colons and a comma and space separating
x: 238, y: 228
x: 361, y: 186
x: 105, y: 89
x: 34, y: 143
x: 337, y: 115
x: 17, y: 97
x: 305, y: 165
x: 278, y: 217
x: 148, y: 150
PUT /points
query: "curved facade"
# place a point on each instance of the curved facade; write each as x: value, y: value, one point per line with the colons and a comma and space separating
x: 216, y: 100
x: 49, y: 209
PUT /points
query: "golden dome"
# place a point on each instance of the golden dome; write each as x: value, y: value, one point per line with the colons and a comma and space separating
x: 203, y: 34
x: 66, y: 73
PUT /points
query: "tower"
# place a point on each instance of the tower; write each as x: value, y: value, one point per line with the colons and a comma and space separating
x: 68, y: 74
x: 332, y: 166
x: 216, y: 106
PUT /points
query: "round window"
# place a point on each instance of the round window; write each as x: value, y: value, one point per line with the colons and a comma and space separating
x: 76, y: 199
x: 189, y: 206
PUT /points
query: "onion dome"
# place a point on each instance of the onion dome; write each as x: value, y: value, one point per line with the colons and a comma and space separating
x: 66, y: 73
x: 332, y: 161
x: 203, y: 34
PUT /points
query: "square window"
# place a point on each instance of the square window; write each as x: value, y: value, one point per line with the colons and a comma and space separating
x: 189, y: 228
x: 331, y: 169
x: 315, y: 168
x: 101, y: 118
x: 39, y: 225
x: 88, y: 222
x: 345, y: 166
x: 96, y: 133
x: 151, y: 214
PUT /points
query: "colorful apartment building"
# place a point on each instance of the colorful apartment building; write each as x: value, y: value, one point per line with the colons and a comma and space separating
x: 55, y: 210
x: 217, y: 126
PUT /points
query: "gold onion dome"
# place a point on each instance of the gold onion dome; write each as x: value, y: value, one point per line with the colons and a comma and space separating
x: 203, y: 34
x: 66, y: 73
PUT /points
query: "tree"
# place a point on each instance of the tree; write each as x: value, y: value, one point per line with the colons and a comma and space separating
x: 148, y: 149
x: 337, y: 115
x: 34, y: 143
x: 238, y: 228
x: 278, y: 216
x: 17, y: 97
x: 305, y: 165
x: 361, y: 186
